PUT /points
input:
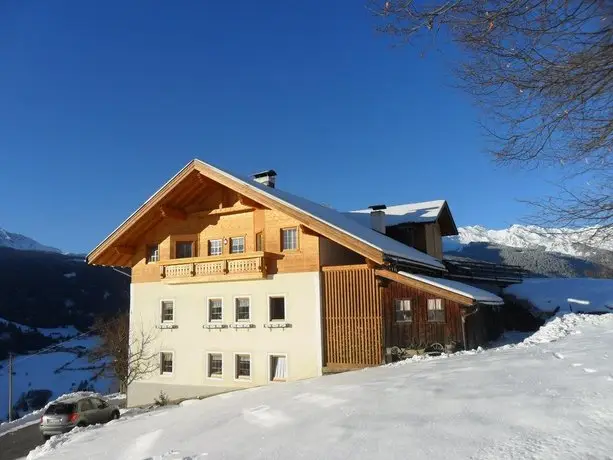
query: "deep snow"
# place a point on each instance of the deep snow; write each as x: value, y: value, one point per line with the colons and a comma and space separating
x: 548, y: 397
x: 569, y: 294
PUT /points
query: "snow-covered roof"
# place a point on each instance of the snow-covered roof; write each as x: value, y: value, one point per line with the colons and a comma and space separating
x: 478, y: 295
x: 339, y: 221
x: 409, y: 213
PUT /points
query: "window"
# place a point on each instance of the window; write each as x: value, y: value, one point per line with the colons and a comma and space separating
x: 184, y: 249
x: 99, y: 403
x: 259, y: 241
x: 215, y: 247
x: 243, y: 308
x: 215, y: 364
x: 289, y: 239
x: 168, y: 311
x: 215, y: 310
x: 166, y: 366
x: 277, y: 308
x: 237, y: 245
x: 402, y: 307
x: 243, y: 366
x: 436, y: 312
x: 153, y: 253
x: 85, y: 405
x: 278, y: 368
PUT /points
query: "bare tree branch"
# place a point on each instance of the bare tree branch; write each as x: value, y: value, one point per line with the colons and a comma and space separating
x: 543, y: 72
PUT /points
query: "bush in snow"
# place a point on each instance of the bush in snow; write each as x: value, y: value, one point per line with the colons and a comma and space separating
x: 162, y: 399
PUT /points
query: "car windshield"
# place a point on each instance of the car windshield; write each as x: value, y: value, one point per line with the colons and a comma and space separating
x: 60, y: 409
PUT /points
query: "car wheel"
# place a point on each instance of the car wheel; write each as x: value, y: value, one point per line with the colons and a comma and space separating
x: 81, y: 424
x: 115, y: 415
x: 46, y: 437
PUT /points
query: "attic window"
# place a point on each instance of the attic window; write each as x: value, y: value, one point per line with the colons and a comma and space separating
x: 153, y: 253
x: 289, y: 239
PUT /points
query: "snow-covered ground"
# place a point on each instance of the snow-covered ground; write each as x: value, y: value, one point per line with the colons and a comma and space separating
x: 548, y: 397
x: 54, y: 332
x: 57, y: 371
x: 569, y: 294
x: 562, y: 240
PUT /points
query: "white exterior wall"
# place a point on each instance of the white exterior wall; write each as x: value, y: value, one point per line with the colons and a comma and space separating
x: 190, y: 342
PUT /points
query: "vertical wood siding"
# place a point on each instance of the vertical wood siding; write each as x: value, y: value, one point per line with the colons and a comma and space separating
x: 352, y: 318
x: 420, y: 331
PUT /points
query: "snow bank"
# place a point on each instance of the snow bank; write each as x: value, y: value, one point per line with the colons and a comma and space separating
x: 547, y: 401
x: 586, y: 295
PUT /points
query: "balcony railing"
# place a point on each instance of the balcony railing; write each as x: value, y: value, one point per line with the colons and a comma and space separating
x: 214, y: 268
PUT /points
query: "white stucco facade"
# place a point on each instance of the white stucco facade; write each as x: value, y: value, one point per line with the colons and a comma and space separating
x: 190, y: 337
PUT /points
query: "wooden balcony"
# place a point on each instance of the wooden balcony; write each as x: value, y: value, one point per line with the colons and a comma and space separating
x: 232, y: 267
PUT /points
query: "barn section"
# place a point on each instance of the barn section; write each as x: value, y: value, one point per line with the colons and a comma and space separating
x: 361, y: 324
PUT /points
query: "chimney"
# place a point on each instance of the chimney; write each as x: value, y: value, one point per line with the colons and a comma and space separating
x: 377, y: 217
x: 266, y: 178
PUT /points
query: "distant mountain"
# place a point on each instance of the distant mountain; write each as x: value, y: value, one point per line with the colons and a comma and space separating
x: 21, y: 242
x: 576, y: 243
x: 557, y: 253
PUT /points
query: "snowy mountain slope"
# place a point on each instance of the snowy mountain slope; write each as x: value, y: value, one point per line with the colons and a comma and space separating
x: 21, y: 242
x: 59, y: 370
x: 561, y: 240
x: 550, y: 400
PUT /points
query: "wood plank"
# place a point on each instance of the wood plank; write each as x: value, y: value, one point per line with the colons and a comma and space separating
x: 172, y: 213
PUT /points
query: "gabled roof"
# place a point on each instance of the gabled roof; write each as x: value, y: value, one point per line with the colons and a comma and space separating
x: 323, y: 220
x: 412, y: 213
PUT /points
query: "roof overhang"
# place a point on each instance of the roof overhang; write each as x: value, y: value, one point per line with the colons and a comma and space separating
x: 111, y: 251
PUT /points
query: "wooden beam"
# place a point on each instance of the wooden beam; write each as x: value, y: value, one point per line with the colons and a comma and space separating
x: 307, y: 231
x: 173, y: 213
x: 125, y: 250
x: 249, y: 202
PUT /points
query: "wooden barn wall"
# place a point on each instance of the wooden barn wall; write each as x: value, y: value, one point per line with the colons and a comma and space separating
x: 420, y: 331
x: 352, y: 318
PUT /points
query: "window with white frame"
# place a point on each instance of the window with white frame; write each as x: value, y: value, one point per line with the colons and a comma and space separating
x: 168, y: 311
x: 166, y: 363
x: 215, y: 365
x: 215, y: 247
x: 243, y: 367
x: 278, y: 368
x: 436, y: 311
x: 153, y: 253
x: 276, y: 306
x: 402, y: 309
x: 289, y: 239
x: 215, y: 310
x: 242, y: 307
x: 237, y: 244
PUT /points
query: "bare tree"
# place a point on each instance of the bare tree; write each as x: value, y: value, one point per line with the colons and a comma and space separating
x: 543, y: 70
x: 126, y: 357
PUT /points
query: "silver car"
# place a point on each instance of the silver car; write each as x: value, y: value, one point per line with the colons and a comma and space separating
x: 62, y: 416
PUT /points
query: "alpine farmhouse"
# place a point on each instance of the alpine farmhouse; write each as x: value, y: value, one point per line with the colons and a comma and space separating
x: 241, y: 284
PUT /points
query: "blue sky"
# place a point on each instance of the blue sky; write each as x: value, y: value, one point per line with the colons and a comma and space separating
x: 102, y: 102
